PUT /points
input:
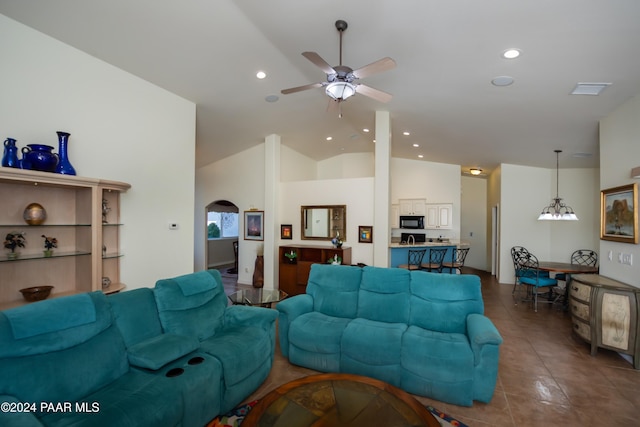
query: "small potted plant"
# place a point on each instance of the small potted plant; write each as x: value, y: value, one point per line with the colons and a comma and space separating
x: 291, y: 256
x: 14, y: 240
x: 335, y: 260
x: 49, y: 244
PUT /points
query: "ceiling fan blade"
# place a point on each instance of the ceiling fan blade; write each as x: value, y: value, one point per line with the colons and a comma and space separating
x: 300, y: 88
x: 379, y: 66
x: 319, y: 62
x: 376, y: 94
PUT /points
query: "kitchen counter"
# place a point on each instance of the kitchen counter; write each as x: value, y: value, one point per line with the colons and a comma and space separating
x: 456, y: 243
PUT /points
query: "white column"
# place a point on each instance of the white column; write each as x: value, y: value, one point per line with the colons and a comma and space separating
x: 382, y: 185
x: 271, y: 209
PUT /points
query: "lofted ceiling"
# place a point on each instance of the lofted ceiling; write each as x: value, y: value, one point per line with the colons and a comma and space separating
x: 447, y: 53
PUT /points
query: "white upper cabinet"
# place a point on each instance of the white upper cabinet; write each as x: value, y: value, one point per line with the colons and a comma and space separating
x: 412, y: 206
x: 439, y: 216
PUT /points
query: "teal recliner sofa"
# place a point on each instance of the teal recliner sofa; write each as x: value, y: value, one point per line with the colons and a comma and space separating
x: 175, y: 355
x: 422, y: 332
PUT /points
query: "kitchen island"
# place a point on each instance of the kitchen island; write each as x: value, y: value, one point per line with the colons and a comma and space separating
x: 399, y: 252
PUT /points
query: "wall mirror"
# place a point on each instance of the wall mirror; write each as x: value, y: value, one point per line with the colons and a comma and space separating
x: 323, y: 222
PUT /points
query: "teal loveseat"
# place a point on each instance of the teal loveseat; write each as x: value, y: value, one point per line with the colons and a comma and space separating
x: 175, y: 355
x: 422, y: 332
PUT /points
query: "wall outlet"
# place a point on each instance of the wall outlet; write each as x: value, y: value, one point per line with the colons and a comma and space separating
x: 246, y: 269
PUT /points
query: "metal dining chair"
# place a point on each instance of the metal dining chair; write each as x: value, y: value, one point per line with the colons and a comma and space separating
x: 459, y: 255
x: 581, y: 257
x: 532, y: 277
x: 414, y: 259
x: 436, y: 257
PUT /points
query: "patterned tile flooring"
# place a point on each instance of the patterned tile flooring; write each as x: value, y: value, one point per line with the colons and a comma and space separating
x: 546, y: 375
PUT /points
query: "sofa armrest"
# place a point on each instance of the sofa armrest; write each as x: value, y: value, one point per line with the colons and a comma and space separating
x: 243, y: 315
x: 21, y: 418
x: 289, y: 310
x: 482, y: 332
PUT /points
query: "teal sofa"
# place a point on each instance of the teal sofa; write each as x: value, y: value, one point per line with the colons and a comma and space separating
x: 422, y: 332
x: 175, y: 355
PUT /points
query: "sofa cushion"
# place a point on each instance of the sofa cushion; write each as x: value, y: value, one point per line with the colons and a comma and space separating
x: 442, y: 302
x: 136, y: 315
x: 240, y: 350
x: 443, y: 363
x: 317, y: 332
x: 335, y: 289
x: 156, y: 352
x: 384, y: 295
x: 373, y: 343
x: 196, y: 312
x: 54, y: 324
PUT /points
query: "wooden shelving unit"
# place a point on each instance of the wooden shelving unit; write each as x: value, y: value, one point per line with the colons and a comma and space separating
x: 74, y: 217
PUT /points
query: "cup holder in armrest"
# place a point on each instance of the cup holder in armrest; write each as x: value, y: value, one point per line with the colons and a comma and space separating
x: 174, y: 372
x: 196, y: 360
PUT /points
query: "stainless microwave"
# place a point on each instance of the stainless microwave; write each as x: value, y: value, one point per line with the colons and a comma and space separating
x: 412, y: 221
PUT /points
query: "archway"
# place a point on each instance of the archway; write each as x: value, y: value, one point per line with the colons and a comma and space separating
x: 222, y: 226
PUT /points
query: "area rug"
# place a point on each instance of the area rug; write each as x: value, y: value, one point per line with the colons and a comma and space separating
x: 235, y: 417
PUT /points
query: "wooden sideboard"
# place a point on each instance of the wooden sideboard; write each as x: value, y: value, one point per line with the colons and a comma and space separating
x: 294, y: 275
x: 604, y: 312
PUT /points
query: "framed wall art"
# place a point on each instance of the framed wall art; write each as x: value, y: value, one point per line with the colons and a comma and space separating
x: 365, y: 234
x: 253, y: 225
x: 619, y: 214
x: 286, y: 231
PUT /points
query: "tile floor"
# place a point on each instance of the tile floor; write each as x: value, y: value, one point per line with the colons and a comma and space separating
x: 546, y: 375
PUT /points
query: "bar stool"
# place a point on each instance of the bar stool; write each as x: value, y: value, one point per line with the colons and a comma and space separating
x: 414, y: 259
x: 457, y: 263
x: 436, y: 256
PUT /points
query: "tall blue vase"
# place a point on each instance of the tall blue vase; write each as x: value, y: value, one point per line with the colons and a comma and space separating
x: 64, y: 165
x: 10, y: 156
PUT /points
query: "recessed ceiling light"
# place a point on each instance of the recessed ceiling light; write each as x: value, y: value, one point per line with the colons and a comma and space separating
x: 502, y: 81
x: 365, y: 130
x: 405, y: 133
x: 271, y: 98
x: 420, y: 156
x: 475, y: 171
x: 329, y: 138
x: 416, y: 145
x: 511, y: 53
x: 589, y: 88
x: 261, y: 75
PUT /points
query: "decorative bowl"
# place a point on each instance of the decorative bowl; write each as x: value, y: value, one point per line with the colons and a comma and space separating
x: 34, y: 214
x: 36, y: 293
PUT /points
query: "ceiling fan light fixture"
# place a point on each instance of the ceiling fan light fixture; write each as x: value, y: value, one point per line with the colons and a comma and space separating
x: 340, y: 90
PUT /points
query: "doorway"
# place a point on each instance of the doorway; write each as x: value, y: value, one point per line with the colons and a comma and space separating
x: 221, y: 246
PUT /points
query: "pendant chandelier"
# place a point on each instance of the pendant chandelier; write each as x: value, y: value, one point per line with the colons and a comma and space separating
x: 557, y: 210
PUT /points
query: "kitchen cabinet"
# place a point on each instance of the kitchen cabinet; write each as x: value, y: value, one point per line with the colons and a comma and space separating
x: 83, y: 214
x: 412, y: 206
x: 604, y: 313
x: 294, y: 274
x: 439, y: 216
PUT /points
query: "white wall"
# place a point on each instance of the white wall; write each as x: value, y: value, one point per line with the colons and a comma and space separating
x: 122, y: 128
x: 619, y: 153
x: 351, y: 165
x: 239, y: 179
x: 473, y: 217
x: 295, y: 166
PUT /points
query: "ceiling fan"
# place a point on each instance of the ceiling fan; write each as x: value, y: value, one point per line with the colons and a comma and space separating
x: 342, y: 81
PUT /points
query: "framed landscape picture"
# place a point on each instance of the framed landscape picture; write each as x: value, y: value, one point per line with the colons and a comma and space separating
x: 253, y: 225
x: 619, y: 214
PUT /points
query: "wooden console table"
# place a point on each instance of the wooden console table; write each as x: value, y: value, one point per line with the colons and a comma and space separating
x: 604, y: 312
x: 294, y: 275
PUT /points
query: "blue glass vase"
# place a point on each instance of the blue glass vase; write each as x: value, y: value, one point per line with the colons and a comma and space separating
x: 64, y: 165
x: 10, y: 156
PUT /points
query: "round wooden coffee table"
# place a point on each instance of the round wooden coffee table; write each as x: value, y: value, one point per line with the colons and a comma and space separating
x: 338, y: 400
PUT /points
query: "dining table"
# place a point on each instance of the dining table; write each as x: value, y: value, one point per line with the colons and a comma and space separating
x: 568, y: 269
